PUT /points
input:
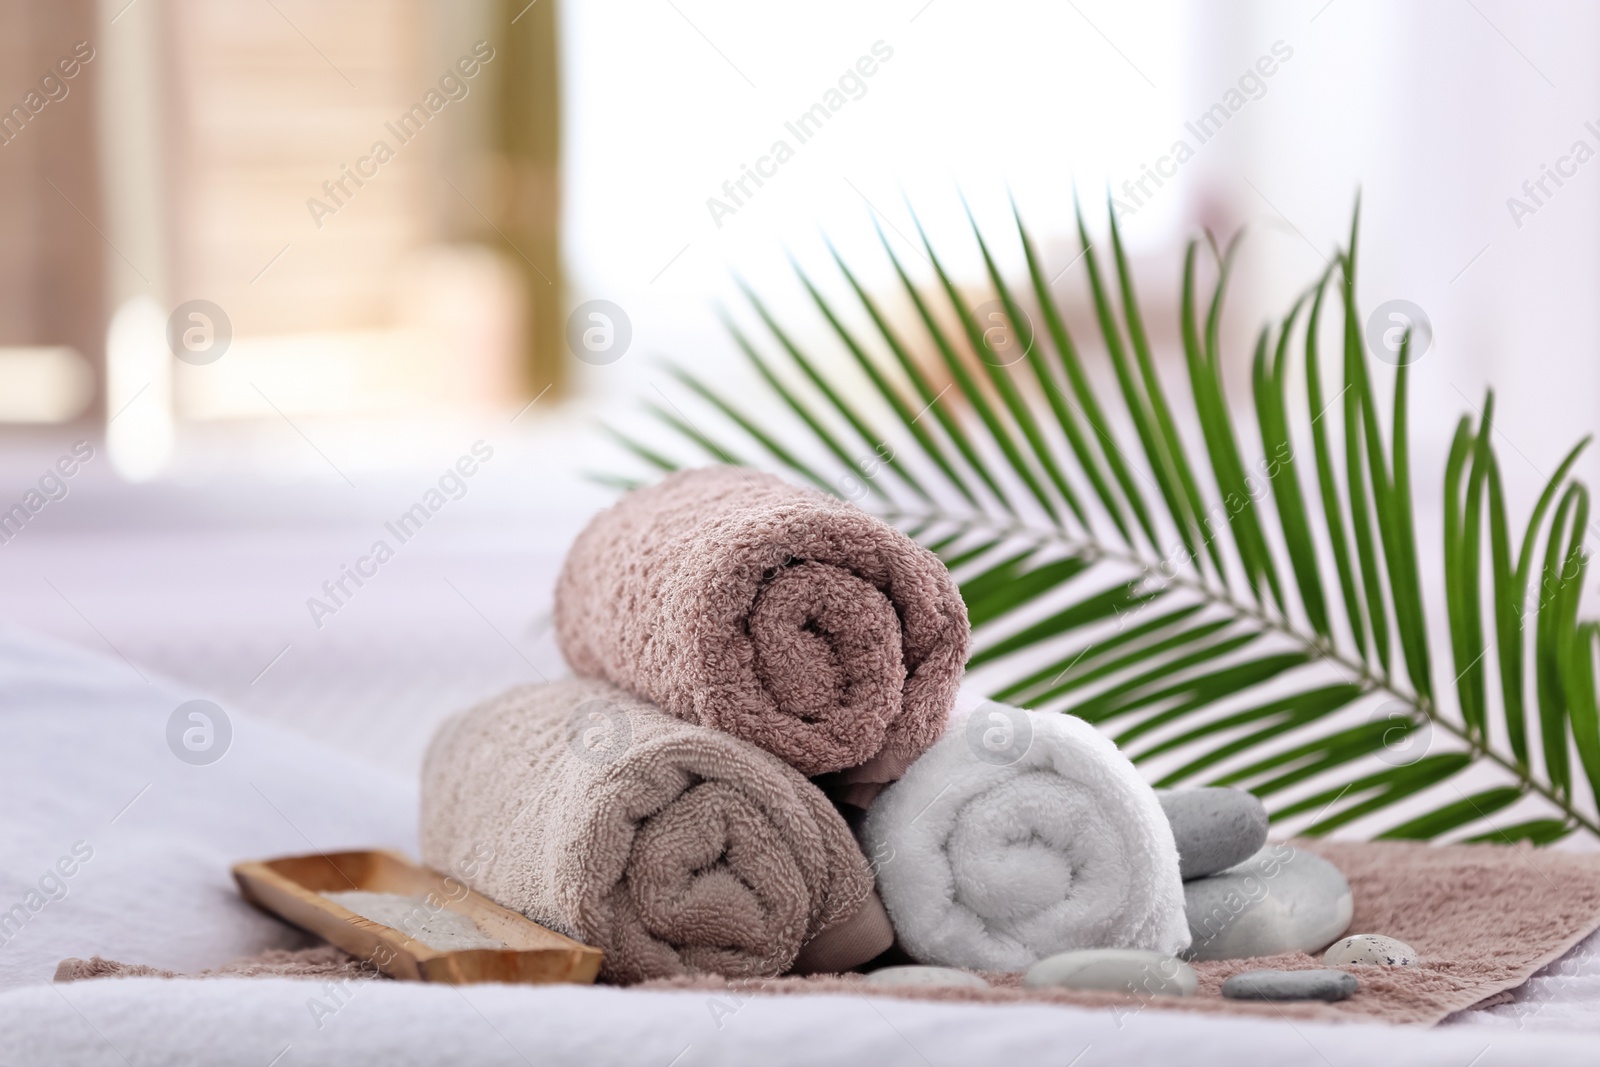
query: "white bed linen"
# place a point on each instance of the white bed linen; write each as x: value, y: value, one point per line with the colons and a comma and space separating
x: 248, y: 1022
x: 83, y: 757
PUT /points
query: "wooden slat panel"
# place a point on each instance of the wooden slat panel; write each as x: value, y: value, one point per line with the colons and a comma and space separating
x: 52, y: 260
x: 268, y: 102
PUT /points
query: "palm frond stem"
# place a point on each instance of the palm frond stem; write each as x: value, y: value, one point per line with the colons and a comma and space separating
x: 1358, y: 669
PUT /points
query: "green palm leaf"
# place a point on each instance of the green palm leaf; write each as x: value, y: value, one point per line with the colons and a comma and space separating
x: 1230, y: 616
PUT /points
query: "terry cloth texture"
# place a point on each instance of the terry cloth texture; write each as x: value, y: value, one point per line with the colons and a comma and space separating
x: 780, y: 615
x: 1019, y: 835
x: 865, y: 935
x: 1484, y: 918
x: 322, y: 961
x: 673, y: 848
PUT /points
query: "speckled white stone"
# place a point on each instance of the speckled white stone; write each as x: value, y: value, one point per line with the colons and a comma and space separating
x: 1279, y: 900
x: 1380, y: 949
x: 1123, y: 970
x: 916, y: 976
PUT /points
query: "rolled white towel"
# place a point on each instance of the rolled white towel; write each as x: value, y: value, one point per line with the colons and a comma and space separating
x: 1019, y: 835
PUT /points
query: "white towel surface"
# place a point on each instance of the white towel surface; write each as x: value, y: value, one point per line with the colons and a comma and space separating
x: 1019, y: 835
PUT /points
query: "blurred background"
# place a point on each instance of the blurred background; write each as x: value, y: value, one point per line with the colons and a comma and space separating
x: 271, y: 269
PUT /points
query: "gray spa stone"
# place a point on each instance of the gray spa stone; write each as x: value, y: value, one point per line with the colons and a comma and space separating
x: 1214, y: 828
x: 1279, y: 900
x: 916, y: 976
x: 1377, y: 949
x: 1123, y: 970
x: 1291, y: 985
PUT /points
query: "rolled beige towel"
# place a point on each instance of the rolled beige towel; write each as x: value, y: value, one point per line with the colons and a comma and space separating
x: 781, y: 615
x: 673, y: 848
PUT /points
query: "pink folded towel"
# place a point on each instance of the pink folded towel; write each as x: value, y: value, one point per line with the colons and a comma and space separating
x: 781, y: 615
x: 672, y: 848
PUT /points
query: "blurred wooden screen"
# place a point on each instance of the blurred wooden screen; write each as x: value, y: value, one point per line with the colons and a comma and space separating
x: 52, y: 258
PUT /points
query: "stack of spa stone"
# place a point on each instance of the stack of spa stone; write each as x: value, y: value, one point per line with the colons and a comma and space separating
x: 1247, y: 898
x: 1244, y: 898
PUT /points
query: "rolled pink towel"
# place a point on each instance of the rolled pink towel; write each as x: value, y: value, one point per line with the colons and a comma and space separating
x: 781, y: 615
x: 672, y: 848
